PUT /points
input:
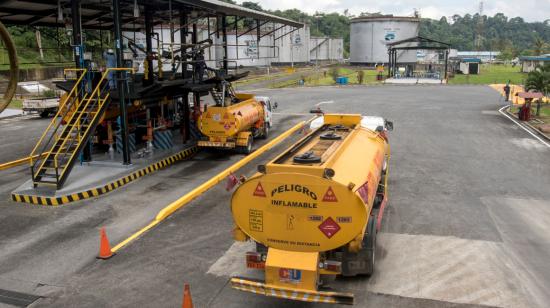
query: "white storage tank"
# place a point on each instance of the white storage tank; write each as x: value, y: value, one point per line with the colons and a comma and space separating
x: 370, y: 35
x: 248, y: 52
x: 326, y: 49
x: 292, y: 47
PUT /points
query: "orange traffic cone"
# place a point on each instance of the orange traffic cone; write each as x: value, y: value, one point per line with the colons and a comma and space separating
x: 104, y: 246
x: 187, y: 301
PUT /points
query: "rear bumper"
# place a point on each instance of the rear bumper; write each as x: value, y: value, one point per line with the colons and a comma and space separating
x: 261, y: 288
x: 216, y: 144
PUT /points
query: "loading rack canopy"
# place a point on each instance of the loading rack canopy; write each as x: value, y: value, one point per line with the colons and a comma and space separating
x: 96, y: 14
x: 415, y: 43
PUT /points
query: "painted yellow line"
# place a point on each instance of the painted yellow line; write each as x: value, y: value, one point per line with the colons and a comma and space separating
x: 135, y: 235
x: 181, y: 202
x: 18, y: 162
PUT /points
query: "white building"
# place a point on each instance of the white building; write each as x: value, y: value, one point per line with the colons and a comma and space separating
x: 484, y: 56
x: 528, y: 64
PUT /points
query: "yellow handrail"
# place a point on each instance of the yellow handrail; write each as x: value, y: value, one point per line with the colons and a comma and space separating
x: 73, y: 90
x: 96, y: 92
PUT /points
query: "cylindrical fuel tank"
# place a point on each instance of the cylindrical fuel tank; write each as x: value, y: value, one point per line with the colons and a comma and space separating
x: 317, y: 195
x: 231, y: 120
x: 370, y: 35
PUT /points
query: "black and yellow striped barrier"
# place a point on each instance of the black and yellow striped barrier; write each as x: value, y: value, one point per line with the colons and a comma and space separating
x: 94, y: 192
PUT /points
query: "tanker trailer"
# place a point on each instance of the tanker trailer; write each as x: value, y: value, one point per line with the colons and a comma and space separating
x: 314, y: 210
x: 235, y: 126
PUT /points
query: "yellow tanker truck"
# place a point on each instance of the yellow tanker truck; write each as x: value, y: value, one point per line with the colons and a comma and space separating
x: 236, y: 125
x: 315, y: 209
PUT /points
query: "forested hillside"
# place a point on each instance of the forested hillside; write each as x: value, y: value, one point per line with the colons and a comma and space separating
x: 512, y: 36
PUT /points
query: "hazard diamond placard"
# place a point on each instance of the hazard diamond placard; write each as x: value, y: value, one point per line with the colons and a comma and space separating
x: 330, y: 196
x: 259, y: 191
x: 329, y: 227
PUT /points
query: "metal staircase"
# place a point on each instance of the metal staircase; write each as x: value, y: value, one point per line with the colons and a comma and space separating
x: 69, y: 132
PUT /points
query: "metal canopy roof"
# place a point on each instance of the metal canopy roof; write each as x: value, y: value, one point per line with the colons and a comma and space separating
x: 419, y: 43
x: 96, y: 14
x: 236, y: 10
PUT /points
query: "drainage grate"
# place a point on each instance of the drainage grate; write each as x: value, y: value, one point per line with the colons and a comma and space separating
x: 16, y: 298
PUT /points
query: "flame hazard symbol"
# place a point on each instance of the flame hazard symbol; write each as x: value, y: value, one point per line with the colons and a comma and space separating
x: 259, y: 192
x: 330, y: 196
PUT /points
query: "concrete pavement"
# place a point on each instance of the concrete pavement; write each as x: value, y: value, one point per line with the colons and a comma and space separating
x: 466, y: 224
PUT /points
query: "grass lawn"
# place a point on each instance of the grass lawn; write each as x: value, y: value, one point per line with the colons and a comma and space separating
x: 491, y: 74
x: 325, y: 79
x: 16, y: 104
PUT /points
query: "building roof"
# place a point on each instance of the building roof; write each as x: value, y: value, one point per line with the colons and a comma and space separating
x: 97, y: 15
x: 477, y: 53
x: 418, y: 43
x: 470, y: 60
x: 535, y: 58
x: 385, y: 18
x: 530, y: 95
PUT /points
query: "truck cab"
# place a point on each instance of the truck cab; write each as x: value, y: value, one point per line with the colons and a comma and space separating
x: 269, y: 108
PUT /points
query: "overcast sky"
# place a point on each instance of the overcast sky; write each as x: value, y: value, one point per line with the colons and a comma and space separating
x: 530, y: 10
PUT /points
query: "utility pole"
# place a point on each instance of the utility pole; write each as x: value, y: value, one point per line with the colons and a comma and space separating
x: 479, y: 28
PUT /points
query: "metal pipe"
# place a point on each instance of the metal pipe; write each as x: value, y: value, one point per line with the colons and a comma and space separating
x: 121, y: 84
x: 14, y: 68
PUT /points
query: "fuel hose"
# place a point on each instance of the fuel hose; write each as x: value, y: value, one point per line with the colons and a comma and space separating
x: 14, y: 67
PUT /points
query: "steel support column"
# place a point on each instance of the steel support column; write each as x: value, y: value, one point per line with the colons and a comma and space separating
x: 194, y: 40
x: 183, y: 39
x: 121, y: 86
x: 224, y: 34
x: 149, y: 45
x: 77, y: 32
x: 446, y: 62
x: 79, y: 61
x: 389, y: 63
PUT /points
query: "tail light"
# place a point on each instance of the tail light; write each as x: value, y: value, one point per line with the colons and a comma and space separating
x: 333, y: 266
x: 255, y: 260
x: 253, y: 256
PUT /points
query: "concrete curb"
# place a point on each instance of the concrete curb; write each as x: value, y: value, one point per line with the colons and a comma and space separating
x: 101, y: 190
x: 534, y: 129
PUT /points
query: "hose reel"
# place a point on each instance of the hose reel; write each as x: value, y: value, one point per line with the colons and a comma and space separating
x: 14, y: 68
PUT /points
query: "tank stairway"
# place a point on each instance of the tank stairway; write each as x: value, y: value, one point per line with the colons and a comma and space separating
x: 225, y: 89
x: 69, y: 132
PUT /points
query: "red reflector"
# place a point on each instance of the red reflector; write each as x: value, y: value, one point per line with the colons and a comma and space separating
x: 253, y: 257
x: 255, y: 265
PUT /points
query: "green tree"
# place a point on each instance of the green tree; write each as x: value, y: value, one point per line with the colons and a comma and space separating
x: 539, y: 81
x: 539, y: 45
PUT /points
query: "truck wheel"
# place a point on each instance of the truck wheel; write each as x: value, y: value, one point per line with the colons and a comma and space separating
x: 370, y: 246
x: 246, y: 149
x: 266, y: 131
x: 44, y: 114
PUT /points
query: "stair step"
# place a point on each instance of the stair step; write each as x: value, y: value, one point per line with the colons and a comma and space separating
x: 48, y: 175
x: 40, y: 182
